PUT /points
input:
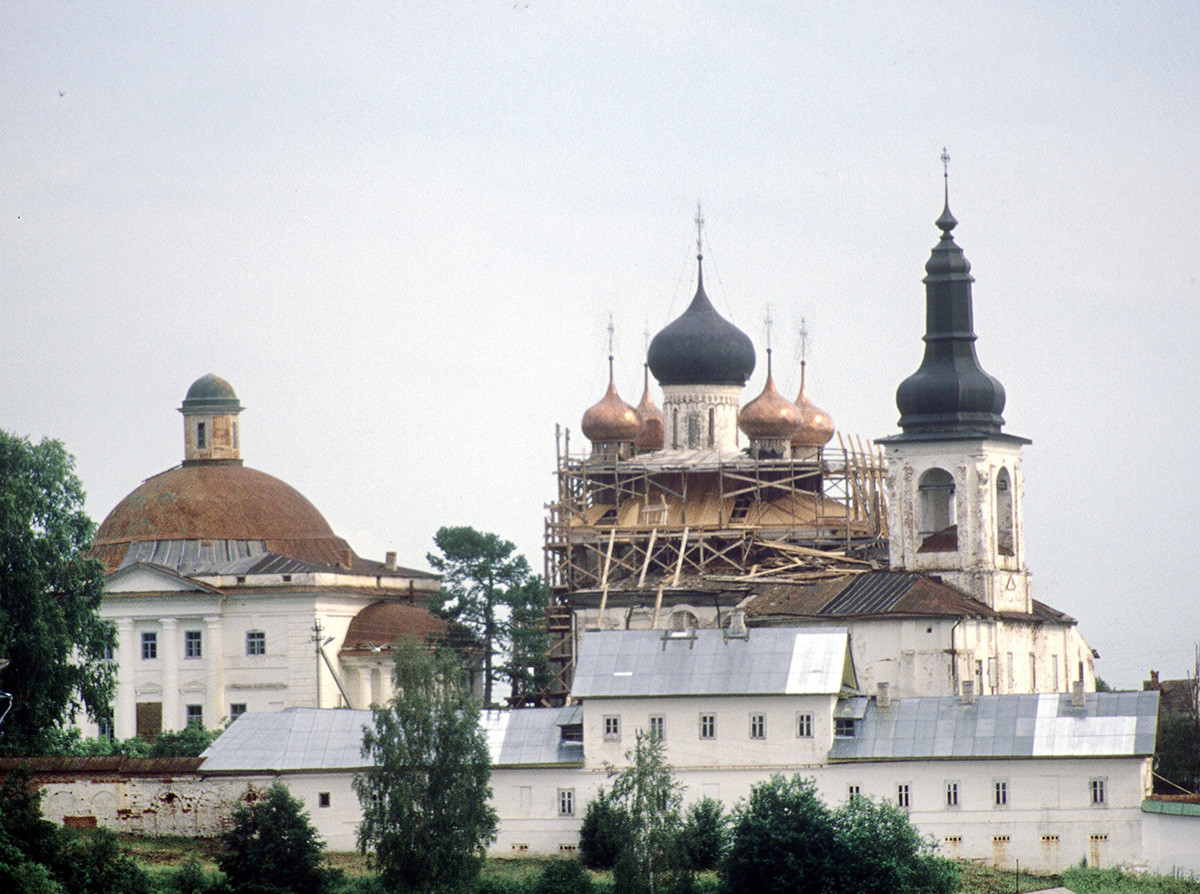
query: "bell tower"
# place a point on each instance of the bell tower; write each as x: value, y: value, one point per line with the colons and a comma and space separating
x: 953, y: 476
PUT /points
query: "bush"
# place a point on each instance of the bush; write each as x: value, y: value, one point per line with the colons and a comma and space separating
x: 95, y: 863
x: 705, y: 834
x: 879, y: 851
x: 500, y: 884
x: 563, y: 877
x: 781, y: 840
x: 190, y: 878
x: 273, y: 848
x: 603, y: 833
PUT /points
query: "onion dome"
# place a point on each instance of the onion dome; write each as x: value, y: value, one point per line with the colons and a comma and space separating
x: 211, y: 394
x: 651, y: 437
x: 949, y: 393
x: 770, y: 416
x: 816, y: 428
x: 701, y: 347
x: 611, y: 420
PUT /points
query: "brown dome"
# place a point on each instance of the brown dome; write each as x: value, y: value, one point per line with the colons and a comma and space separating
x: 611, y: 420
x: 651, y: 437
x: 219, y: 501
x: 770, y: 416
x: 816, y: 428
x: 381, y: 624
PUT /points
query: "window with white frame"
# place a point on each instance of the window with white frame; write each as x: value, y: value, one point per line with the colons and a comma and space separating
x: 853, y: 791
x: 106, y: 729
x: 192, y: 644
x: 903, y: 798
x: 844, y: 727
x: 758, y: 726
x: 149, y: 645
x: 708, y: 726
x: 256, y: 642
x: 612, y: 728
x: 952, y: 793
x: 1000, y: 793
x: 658, y: 727
x: 195, y: 715
x: 804, y: 726
x: 1096, y: 787
x: 236, y: 710
x: 566, y: 802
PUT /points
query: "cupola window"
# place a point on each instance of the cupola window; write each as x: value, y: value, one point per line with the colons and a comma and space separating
x: 201, y: 436
x: 936, y: 511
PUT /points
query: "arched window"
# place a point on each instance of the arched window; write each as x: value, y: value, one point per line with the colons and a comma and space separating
x: 936, y: 514
x: 1005, y: 545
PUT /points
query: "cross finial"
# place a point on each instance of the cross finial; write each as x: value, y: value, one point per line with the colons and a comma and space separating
x: 768, y: 322
x: 611, y: 330
x: 946, y: 172
x: 699, y: 231
x: 803, y: 341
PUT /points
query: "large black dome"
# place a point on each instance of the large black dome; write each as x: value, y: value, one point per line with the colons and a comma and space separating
x: 701, y: 347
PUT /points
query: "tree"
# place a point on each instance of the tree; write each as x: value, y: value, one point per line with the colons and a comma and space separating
x: 705, y: 834
x: 272, y: 848
x: 494, y: 594
x: 782, y: 840
x: 51, y: 632
x: 604, y: 830
x: 879, y: 851
x: 426, y: 815
x: 650, y: 796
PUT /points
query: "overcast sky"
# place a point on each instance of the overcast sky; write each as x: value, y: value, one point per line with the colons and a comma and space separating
x: 399, y: 229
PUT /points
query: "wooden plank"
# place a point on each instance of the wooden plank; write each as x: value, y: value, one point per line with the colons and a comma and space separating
x: 646, y: 564
x: 657, y: 607
x: 679, y: 564
x: 604, y: 581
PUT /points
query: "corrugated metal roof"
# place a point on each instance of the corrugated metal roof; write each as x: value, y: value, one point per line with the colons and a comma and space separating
x: 1045, y: 725
x: 871, y: 593
x: 531, y: 736
x: 614, y: 663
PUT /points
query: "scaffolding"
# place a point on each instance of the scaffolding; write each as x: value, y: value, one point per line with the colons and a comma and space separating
x: 633, y: 528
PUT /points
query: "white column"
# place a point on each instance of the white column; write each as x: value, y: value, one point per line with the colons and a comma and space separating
x: 168, y: 652
x: 125, y: 700
x: 214, y: 651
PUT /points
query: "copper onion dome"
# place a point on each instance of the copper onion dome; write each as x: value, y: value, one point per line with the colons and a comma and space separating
x: 651, y: 437
x: 816, y: 428
x: 770, y: 416
x: 611, y: 420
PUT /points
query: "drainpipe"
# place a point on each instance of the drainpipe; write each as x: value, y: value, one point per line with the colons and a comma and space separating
x: 954, y: 657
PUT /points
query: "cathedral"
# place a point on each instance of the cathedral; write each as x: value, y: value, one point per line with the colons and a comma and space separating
x: 717, y: 511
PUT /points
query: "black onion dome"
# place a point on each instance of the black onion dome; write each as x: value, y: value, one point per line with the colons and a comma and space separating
x: 701, y: 347
x: 950, y: 393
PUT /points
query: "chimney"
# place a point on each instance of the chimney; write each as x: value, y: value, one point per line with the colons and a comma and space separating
x: 347, y: 558
x: 389, y: 561
x: 883, y: 700
x: 968, y: 692
x: 737, y: 626
x: 1077, y: 697
x: 1152, y: 683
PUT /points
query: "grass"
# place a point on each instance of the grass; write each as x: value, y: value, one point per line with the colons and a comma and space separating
x: 160, y: 854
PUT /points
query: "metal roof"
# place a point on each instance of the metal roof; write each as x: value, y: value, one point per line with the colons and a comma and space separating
x: 331, y: 739
x: 1043, y: 725
x: 784, y: 661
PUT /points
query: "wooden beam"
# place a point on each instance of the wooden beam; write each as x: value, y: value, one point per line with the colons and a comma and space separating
x: 679, y: 564
x: 646, y: 564
x: 612, y: 538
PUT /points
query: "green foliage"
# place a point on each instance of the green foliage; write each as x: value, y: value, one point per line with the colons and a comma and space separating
x: 781, y: 842
x: 705, y: 836
x: 95, y: 863
x: 29, y: 844
x: 273, y: 848
x: 187, y: 742
x: 189, y: 877
x: 1102, y: 685
x: 650, y: 797
x: 426, y: 815
x: 501, y: 884
x: 50, y: 628
x: 494, y: 594
x: 879, y: 851
x: 563, y: 877
x: 1178, y: 757
x: 604, y: 831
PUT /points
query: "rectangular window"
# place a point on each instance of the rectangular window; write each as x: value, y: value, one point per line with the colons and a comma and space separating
x: 1097, y: 789
x: 658, y: 727
x: 951, y: 794
x: 323, y: 799
x: 612, y: 728
x: 758, y: 726
x: 991, y: 677
x: 708, y: 726
x: 195, y: 715
x: 236, y: 710
x: 853, y: 791
x: 108, y: 654
x: 566, y: 802
x: 149, y: 645
x: 256, y: 643
x: 902, y: 795
x: 844, y: 727
x: 105, y: 724
x: 201, y: 438
x: 1000, y: 793
x: 804, y: 726
x: 191, y: 644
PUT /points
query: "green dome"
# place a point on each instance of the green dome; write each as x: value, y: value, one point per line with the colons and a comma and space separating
x: 211, y: 394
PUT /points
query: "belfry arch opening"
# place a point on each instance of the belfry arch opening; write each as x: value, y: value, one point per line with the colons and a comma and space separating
x: 1005, y: 542
x: 936, y: 518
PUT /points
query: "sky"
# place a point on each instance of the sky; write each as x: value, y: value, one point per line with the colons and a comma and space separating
x: 400, y: 230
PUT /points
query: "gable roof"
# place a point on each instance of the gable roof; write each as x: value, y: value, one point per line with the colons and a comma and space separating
x: 769, y: 660
x: 1110, y: 724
